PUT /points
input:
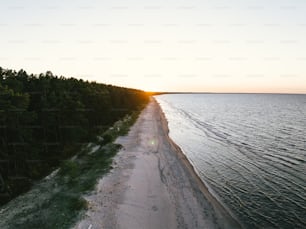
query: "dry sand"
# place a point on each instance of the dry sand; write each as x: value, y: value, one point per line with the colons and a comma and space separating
x: 152, y: 185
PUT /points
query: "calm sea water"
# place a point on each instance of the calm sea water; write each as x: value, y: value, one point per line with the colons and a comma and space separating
x: 249, y: 148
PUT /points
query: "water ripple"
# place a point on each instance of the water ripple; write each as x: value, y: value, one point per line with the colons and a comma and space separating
x: 250, y: 149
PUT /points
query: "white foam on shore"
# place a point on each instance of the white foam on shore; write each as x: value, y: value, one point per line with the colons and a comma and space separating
x: 208, y: 192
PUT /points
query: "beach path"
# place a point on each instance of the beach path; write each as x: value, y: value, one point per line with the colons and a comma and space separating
x: 152, y: 185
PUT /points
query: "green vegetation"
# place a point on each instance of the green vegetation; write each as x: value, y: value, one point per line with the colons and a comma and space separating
x: 57, y: 202
x: 46, y: 119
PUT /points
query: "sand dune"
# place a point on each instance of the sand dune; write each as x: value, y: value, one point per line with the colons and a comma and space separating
x: 153, y: 185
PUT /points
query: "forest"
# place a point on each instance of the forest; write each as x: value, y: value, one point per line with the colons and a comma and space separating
x: 45, y: 119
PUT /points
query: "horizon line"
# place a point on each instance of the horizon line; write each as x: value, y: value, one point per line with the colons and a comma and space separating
x: 178, y: 92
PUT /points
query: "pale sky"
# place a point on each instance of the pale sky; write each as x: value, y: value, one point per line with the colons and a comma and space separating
x: 203, y: 45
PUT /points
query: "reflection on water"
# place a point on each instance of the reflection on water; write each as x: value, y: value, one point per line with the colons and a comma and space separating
x: 250, y: 149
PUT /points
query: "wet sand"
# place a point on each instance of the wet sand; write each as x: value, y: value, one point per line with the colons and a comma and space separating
x: 153, y: 185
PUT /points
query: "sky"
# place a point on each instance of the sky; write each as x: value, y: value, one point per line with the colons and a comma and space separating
x: 162, y: 45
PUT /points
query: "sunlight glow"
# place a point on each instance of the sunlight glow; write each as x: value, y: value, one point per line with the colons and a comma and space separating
x: 186, y: 46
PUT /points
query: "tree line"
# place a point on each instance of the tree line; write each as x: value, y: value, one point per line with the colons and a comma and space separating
x: 45, y: 119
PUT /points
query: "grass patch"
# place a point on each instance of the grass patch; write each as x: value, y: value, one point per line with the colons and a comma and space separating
x: 58, y: 202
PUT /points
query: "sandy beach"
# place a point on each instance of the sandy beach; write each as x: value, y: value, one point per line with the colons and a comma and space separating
x: 152, y: 185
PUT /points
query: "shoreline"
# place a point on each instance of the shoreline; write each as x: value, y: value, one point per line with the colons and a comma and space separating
x: 153, y: 184
x: 221, y: 210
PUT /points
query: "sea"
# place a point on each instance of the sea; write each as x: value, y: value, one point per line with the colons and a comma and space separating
x: 249, y: 149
